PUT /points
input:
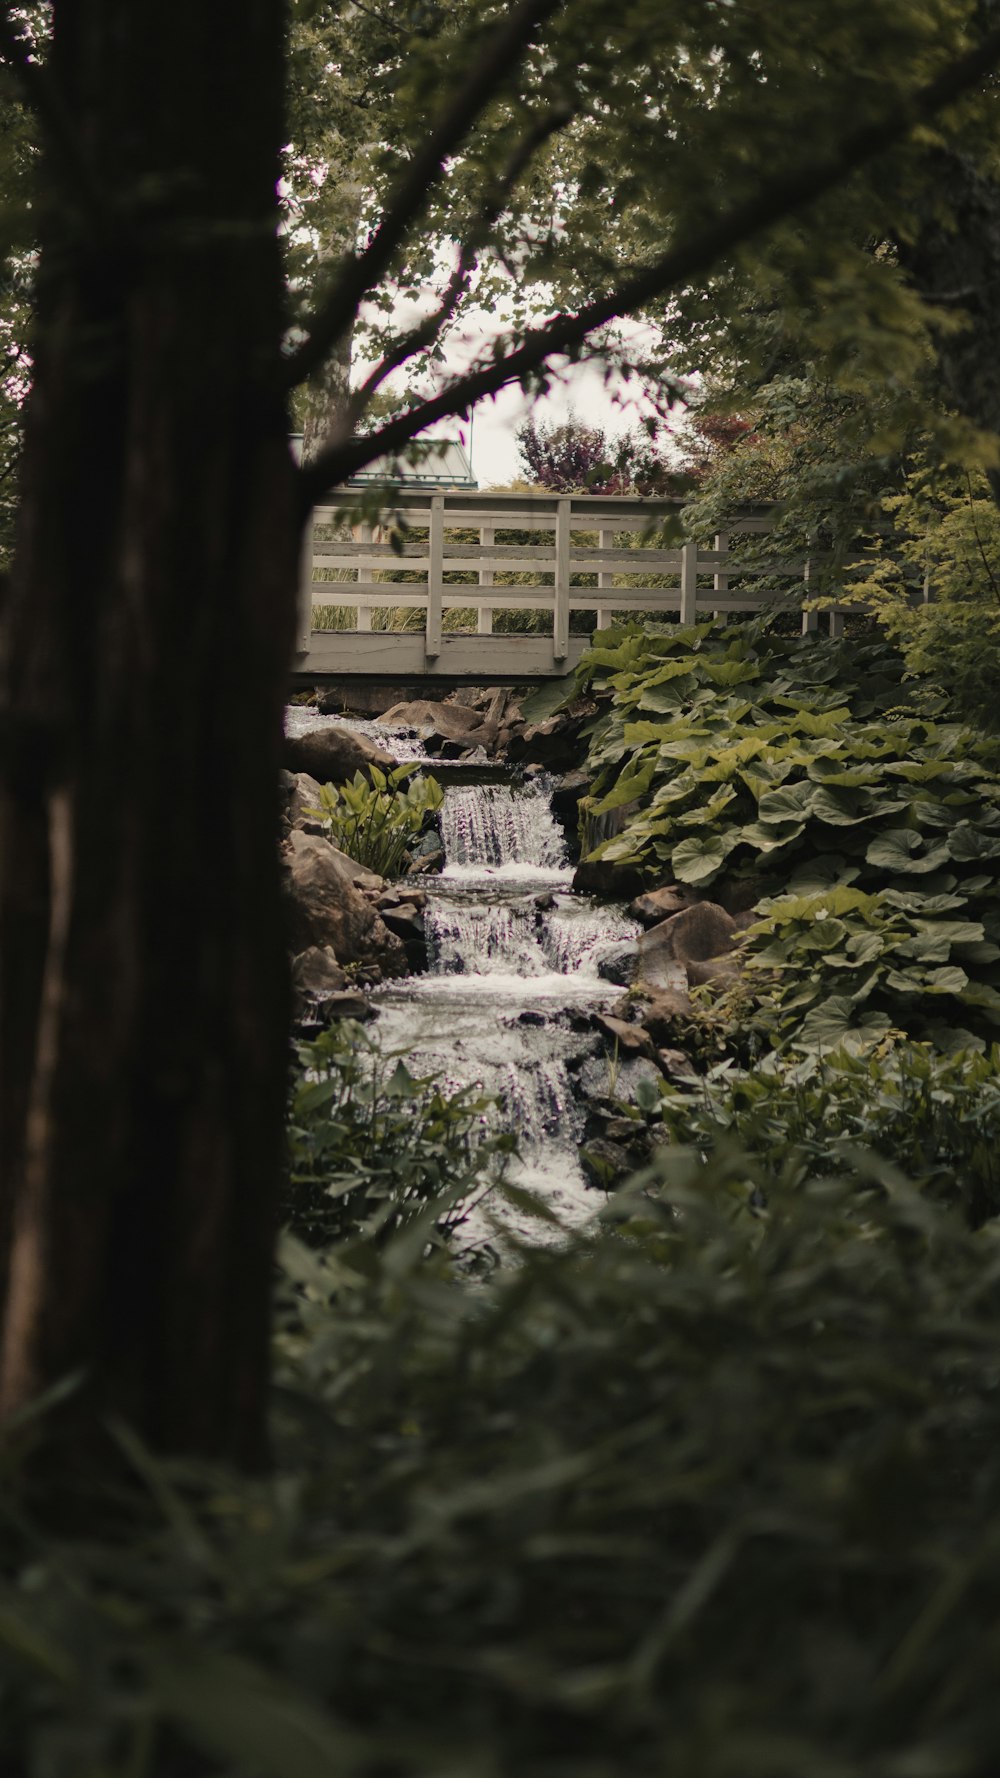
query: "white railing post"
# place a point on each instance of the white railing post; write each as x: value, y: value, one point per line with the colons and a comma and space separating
x: 810, y: 619
x: 484, y: 616
x: 435, y: 577
x: 560, y: 613
x: 605, y: 540
x: 720, y: 583
x: 689, y: 583
x: 304, y: 609
x: 364, y: 612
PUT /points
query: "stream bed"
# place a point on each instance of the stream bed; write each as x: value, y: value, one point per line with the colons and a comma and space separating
x: 512, y: 981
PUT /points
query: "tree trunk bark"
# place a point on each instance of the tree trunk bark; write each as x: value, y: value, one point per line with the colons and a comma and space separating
x: 146, y: 639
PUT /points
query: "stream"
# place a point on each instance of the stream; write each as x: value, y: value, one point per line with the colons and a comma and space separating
x: 512, y: 981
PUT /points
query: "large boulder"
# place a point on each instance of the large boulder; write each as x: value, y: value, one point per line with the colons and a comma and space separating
x: 553, y: 744
x: 326, y: 908
x: 609, y: 881
x: 663, y: 1013
x: 332, y: 755
x: 659, y: 904
x: 670, y: 952
x: 434, y: 722
x: 317, y: 971
x: 305, y: 796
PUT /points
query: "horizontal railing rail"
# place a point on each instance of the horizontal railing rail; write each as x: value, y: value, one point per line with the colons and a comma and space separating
x: 579, y: 558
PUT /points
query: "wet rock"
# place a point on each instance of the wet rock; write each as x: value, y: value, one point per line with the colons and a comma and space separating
x: 712, y: 969
x: 333, y: 755
x: 352, y: 1003
x: 545, y: 902
x: 619, y: 964
x: 605, y: 1164
x: 612, y: 882
x: 631, y: 1040
x: 326, y: 908
x: 348, y: 869
x: 552, y: 744
x: 532, y: 1018
x: 746, y: 918
x: 623, y: 1129
x: 603, y: 1082
x: 316, y: 971
x: 699, y: 932
x: 407, y: 923
x: 662, y: 1015
x: 676, y: 1065
x: 566, y: 797
x: 426, y: 851
x: 658, y: 904
x: 437, y: 724
x: 305, y: 796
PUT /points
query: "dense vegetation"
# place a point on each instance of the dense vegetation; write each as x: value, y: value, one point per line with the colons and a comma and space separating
x: 806, y: 778
x: 713, y: 1488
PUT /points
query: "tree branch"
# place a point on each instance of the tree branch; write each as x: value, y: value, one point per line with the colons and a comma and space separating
x: 502, y: 54
x: 427, y: 331
x: 776, y: 200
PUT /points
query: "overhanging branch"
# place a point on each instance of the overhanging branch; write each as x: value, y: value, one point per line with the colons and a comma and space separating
x: 776, y: 200
x: 423, y: 335
x: 501, y: 55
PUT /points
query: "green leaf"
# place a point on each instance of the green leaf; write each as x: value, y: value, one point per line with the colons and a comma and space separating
x: 789, y: 802
x: 894, y: 851
x: 836, y: 1023
x: 699, y: 860
x: 967, y: 842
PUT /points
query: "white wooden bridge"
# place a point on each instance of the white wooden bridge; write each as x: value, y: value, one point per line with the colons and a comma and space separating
x: 459, y: 552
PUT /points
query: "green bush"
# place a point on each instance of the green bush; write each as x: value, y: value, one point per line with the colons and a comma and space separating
x: 372, y: 1146
x: 872, y: 830
x: 936, y: 1117
x: 713, y: 1491
x: 374, y: 818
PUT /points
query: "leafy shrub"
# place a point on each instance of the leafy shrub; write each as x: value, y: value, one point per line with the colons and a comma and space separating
x: 713, y: 1491
x: 936, y: 1117
x: 946, y: 526
x: 371, y: 1146
x: 873, y: 829
x: 374, y: 817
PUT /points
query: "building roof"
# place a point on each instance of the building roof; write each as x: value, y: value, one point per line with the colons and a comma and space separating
x: 444, y: 463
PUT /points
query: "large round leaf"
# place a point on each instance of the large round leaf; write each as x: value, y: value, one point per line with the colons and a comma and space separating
x: 894, y: 851
x: 698, y: 860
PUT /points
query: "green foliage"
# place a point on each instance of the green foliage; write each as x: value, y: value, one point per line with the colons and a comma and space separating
x: 374, y: 817
x: 935, y: 1117
x: 713, y: 1490
x: 371, y: 1146
x: 947, y: 529
x: 795, y: 767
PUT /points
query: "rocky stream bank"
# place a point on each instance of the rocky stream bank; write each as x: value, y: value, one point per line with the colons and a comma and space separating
x: 587, y: 974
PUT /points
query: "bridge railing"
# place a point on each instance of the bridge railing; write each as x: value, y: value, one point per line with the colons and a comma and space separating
x: 569, y: 553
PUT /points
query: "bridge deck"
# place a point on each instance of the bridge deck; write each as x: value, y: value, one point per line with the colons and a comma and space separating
x: 481, y: 554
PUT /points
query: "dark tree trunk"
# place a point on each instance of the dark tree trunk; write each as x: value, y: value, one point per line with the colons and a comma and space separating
x: 145, y: 646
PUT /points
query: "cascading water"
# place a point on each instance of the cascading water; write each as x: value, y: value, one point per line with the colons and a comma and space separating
x: 513, y: 974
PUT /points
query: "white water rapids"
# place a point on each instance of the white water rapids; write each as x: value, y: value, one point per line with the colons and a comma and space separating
x: 512, y: 979
x: 509, y: 938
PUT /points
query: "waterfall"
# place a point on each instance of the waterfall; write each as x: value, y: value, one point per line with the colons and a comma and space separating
x: 514, y: 974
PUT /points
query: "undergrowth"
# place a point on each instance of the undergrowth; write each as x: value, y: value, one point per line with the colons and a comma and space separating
x: 712, y: 1489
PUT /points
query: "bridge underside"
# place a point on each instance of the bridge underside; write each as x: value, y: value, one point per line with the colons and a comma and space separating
x: 463, y: 659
